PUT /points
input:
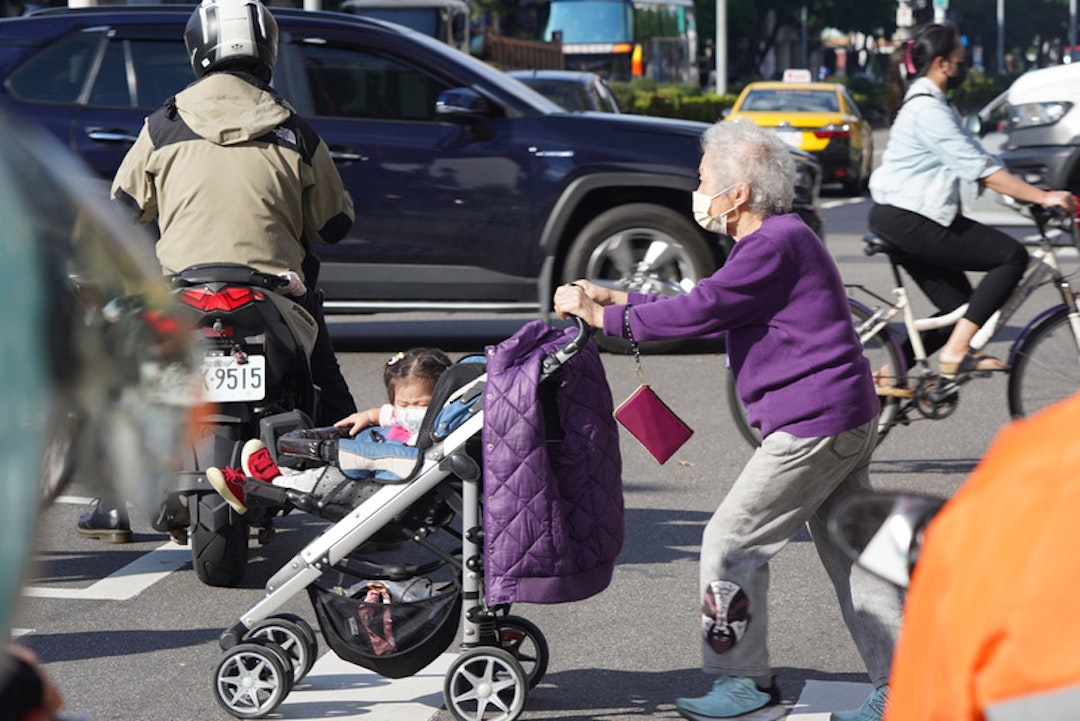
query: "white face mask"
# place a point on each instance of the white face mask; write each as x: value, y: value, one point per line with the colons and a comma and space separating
x: 410, y: 418
x: 712, y: 223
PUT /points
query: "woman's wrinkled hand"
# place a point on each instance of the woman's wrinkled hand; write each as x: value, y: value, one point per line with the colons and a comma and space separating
x: 573, y: 299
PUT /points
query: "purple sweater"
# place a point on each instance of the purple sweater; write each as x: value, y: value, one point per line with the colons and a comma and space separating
x: 797, y: 361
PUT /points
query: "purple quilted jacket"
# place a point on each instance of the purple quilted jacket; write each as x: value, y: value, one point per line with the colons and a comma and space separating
x: 553, y: 509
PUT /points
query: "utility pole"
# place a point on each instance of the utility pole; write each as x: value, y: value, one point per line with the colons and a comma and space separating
x: 1072, y: 25
x: 1001, y: 36
x: 804, y: 45
x: 720, y: 47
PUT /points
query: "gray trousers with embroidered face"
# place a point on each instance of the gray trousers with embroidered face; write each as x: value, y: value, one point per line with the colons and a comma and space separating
x: 789, y: 482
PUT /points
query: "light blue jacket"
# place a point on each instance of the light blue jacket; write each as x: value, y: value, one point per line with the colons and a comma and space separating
x: 929, y: 152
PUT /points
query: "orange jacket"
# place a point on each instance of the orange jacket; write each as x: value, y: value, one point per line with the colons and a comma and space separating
x: 992, y: 619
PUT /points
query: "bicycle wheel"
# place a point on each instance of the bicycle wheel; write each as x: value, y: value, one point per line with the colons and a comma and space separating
x: 883, y: 352
x: 1045, y: 367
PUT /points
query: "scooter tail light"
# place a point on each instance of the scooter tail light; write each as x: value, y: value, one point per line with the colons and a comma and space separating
x: 225, y: 299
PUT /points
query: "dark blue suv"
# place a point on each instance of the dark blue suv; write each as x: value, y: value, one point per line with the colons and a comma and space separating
x: 472, y: 191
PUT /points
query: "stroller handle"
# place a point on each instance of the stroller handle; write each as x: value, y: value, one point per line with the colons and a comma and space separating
x: 554, y: 361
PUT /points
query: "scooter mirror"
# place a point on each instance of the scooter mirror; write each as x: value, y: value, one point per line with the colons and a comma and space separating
x: 883, y: 532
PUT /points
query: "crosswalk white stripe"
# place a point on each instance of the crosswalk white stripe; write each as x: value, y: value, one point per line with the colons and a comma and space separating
x: 819, y: 698
x: 127, y: 582
x: 345, y: 692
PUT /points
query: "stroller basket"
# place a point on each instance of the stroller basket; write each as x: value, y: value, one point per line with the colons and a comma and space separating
x: 391, y: 636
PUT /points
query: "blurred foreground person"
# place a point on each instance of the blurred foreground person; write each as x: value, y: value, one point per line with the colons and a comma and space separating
x: 87, y: 339
x: 990, y: 628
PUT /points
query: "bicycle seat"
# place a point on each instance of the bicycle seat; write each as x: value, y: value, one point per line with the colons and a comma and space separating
x: 878, y: 244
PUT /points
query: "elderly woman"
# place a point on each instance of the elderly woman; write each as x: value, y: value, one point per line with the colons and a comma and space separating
x: 806, y: 386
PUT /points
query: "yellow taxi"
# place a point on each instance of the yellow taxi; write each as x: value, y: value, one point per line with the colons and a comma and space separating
x: 820, y: 118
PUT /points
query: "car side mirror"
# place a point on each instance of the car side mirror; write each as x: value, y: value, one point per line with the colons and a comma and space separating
x: 974, y: 125
x: 883, y: 532
x: 465, y: 106
x: 725, y: 112
x: 462, y: 106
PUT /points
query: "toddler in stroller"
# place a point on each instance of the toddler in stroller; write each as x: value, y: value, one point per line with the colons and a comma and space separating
x: 515, y: 495
x: 359, y: 446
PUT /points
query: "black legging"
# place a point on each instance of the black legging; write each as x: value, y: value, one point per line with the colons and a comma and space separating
x: 936, y: 258
x: 335, y: 401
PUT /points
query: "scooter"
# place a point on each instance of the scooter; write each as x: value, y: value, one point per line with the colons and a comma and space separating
x: 257, y: 383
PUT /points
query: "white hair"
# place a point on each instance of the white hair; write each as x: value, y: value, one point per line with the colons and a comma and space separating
x: 740, y: 152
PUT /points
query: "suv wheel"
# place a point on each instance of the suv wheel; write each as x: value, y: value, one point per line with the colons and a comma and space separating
x: 643, y: 248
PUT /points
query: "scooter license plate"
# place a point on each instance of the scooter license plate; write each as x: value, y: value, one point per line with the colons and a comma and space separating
x: 225, y: 379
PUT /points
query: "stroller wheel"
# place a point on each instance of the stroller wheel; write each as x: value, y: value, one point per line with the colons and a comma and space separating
x: 524, y: 640
x: 295, y: 638
x: 485, y: 684
x: 253, y: 678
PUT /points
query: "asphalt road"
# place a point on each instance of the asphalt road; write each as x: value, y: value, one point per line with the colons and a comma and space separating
x: 129, y: 632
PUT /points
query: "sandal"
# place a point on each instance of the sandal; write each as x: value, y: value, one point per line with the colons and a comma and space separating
x: 883, y: 377
x: 972, y: 362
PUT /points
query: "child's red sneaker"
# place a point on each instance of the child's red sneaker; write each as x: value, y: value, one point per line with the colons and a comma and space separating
x: 257, y: 462
x: 229, y: 482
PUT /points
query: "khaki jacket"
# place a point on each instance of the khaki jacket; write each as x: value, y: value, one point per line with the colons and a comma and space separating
x: 232, y: 174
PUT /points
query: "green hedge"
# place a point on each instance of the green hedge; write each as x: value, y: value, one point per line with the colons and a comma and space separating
x: 643, y: 96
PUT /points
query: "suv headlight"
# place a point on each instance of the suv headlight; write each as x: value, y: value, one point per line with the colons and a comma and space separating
x: 1031, y: 115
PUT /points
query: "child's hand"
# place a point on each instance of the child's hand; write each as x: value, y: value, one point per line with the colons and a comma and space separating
x: 356, y: 422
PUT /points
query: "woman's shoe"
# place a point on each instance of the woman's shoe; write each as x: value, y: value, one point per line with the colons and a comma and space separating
x: 972, y: 362
x: 107, y: 524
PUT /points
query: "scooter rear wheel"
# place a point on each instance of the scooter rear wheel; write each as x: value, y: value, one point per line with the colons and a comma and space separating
x: 219, y: 541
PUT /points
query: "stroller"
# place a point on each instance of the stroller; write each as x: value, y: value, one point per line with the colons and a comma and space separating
x: 456, y: 541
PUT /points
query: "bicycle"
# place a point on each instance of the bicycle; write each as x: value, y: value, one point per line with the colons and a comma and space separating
x: 1044, y: 357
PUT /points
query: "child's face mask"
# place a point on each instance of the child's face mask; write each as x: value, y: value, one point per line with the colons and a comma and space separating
x: 410, y: 418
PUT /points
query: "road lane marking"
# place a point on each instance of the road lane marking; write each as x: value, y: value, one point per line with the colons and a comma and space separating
x: 839, y: 203
x: 127, y: 582
x: 344, y: 691
x: 75, y: 500
x: 819, y: 698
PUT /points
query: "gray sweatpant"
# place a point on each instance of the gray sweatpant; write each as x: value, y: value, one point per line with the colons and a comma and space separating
x: 789, y: 481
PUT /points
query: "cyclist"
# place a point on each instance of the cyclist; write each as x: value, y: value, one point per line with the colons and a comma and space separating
x: 916, y: 193
x: 232, y: 174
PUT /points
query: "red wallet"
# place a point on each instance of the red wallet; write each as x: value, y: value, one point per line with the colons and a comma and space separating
x: 652, y: 423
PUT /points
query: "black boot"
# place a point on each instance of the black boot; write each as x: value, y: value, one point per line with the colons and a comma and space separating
x: 107, y: 523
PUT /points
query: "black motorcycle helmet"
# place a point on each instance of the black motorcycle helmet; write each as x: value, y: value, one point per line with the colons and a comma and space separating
x: 232, y: 35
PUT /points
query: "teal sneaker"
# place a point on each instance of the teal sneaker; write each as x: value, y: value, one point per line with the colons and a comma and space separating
x: 873, y: 708
x: 730, y: 696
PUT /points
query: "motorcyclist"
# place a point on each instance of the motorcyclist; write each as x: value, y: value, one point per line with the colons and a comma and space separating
x: 231, y: 173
